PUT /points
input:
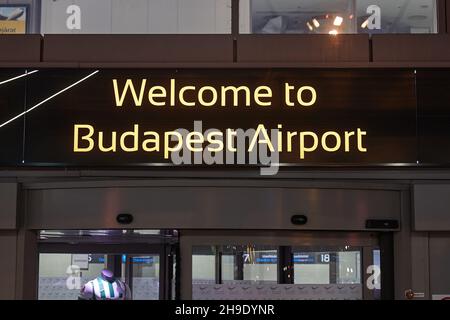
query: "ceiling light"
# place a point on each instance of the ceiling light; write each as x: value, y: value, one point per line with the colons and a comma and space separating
x: 338, y: 21
x: 310, y: 27
x: 333, y: 32
x: 365, y: 24
x: 316, y: 23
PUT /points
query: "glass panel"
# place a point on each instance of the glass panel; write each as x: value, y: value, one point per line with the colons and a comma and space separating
x: 338, y: 16
x: 377, y: 274
x: 245, y: 270
x: 312, y: 267
x: 203, y: 264
x: 251, y: 272
x: 62, y: 276
x: 338, y: 266
x: 145, y: 277
x: 249, y: 264
x: 260, y: 264
x: 136, y: 17
x: 229, y: 267
x: 349, y: 267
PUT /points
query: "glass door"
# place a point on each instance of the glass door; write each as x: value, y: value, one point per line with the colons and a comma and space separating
x: 147, y: 268
x: 144, y: 276
x: 291, y: 266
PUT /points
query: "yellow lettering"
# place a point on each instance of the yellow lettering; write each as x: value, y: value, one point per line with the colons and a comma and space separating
x: 132, y: 134
x: 154, y: 141
x: 113, y: 142
x: 267, y: 93
x: 235, y: 92
x: 167, y: 138
x: 160, y: 93
x: 201, y: 97
x: 303, y: 148
x: 87, y: 137
x: 261, y: 130
x: 129, y: 85
x: 324, y: 141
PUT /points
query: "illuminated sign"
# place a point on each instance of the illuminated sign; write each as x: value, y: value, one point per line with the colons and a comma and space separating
x: 218, y: 117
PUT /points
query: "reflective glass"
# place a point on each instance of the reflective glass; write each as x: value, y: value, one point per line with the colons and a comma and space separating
x: 136, y: 16
x: 337, y: 16
x: 203, y: 265
x: 116, y: 17
x: 63, y: 275
x: 251, y: 264
x: 342, y: 266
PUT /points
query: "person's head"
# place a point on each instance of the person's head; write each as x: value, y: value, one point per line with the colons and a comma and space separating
x: 108, y: 275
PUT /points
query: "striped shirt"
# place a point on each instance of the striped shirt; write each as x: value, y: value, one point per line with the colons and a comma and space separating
x: 101, y: 289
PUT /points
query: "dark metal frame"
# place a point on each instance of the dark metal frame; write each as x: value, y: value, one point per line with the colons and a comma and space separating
x: 387, y: 266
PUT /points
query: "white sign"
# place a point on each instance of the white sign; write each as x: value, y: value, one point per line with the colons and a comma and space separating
x: 81, y: 260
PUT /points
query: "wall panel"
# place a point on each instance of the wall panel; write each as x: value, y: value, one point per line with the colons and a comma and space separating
x: 431, y: 207
x: 8, y: 206
x: 138, y: 48
x: 210, y: 208
x: 8, y: 247
x: 411, y: 47
x: 303, y: 48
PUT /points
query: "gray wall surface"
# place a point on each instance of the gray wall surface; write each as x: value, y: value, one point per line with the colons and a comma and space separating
x: 439, y: 253
x: 8, y: 206
x: 209, y: 207
x: 431, y: 205
x: 8, y: 247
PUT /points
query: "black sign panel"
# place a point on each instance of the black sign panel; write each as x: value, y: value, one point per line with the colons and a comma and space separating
x: 433, y: 95
x: 84, y: 117
x: 12, y: 105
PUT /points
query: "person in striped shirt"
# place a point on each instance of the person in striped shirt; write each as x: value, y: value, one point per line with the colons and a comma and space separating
x: 105, y: 287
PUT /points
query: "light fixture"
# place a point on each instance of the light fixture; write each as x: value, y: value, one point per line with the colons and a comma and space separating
x: 365, y: 24
x: 338, y: 21
x: 333, y: 32
x: 310, y: 27
x: 316, y: 23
